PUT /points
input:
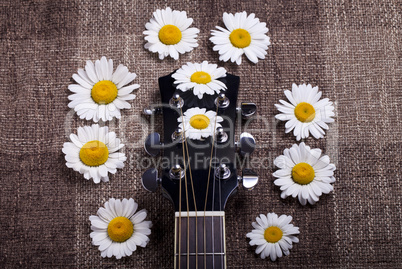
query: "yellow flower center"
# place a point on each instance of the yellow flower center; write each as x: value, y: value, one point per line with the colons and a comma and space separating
x: 200, y: 77
x: 304, y: 112
x: 94, y: 153
x: 303, y: 173
x: 273, y: 234
x: 199, y: 121
x: 120, y: 229
x: 104, y: 92
x: 169, y: 34
x: 240, y: 38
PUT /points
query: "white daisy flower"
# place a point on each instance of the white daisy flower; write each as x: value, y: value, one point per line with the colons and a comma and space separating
x: 274, y: 236
x: 201, y: 78
x: 168, y: 33
x: 118, y: 230
x: 199, y: 123
x: 244, y: 35
x: 100, y: 92
x: 305, y: 113
x: 304, y: 173
x: 94, y: 153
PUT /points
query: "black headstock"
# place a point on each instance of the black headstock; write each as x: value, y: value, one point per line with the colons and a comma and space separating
x: 188, y: 163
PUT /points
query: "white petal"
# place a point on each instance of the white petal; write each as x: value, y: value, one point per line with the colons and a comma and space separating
x: 139, y: 216
x: 105, y: 244
x: 120, y: 73
x: 90, y: 70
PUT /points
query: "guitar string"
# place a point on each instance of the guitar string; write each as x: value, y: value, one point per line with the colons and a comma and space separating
x: 220, y: 220
x: 179, y: 251
x: 206, y: 195
x: 192, y: 188
x: 185, y: 183
x: 212, y: 218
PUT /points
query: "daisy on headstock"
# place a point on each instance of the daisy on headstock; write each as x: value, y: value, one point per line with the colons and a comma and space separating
x: 199, y: 84
x: 200, y: 78
x: 199, y: 118
x: 199, y: 123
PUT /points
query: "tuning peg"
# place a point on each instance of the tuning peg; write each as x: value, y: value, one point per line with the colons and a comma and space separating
x: 153, y: 144
x: 246, y: 144
x: 222, y: 101
x: 222, y: 172
x: 152, y: 110
x: 249, y: 179
x: 150, y: 180
x: 221, y: 135
x: 176, y: 172
x: 176, y: 101
x: 247, y: 109
x: 177, y: 135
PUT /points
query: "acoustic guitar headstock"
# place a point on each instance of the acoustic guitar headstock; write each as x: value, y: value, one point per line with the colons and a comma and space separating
x: 198, y: 167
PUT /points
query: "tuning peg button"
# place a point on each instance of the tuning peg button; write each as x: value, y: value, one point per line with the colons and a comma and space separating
x: 153, y: 144
x: 249, y: 179
x: 247, y: 109
x: 150, y: 180
x: 246, y: 144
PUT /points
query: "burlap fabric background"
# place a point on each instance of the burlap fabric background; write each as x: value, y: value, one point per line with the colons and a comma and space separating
x: 350, y: 49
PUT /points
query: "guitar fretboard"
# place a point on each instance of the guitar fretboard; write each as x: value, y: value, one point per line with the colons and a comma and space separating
x: 198, y: 245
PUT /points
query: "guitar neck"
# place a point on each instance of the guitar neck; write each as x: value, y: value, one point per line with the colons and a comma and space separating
x: 200, y: 240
